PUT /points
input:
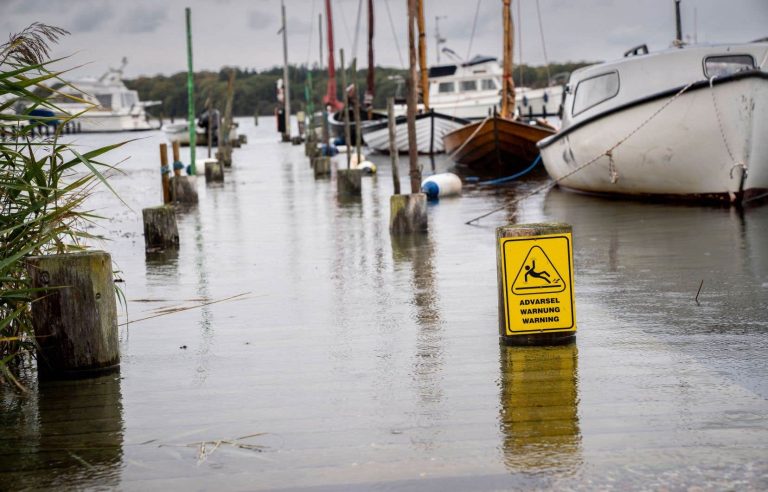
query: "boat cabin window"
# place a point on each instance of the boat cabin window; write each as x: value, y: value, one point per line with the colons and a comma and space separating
x: 488, y: 84
x: 722, y: 66
x: 468, y: 85
x: 445, y: 87
x: 595, y: 90
x: 105, y: 100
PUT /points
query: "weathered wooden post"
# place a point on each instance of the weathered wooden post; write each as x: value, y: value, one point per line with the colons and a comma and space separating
x: 408, y: 213
x: 165, y: 172
x: 214, y: 171
x: 393, y: 154
x: 347, y: 133
x: 182, y: 187
x: 535, y: 282
x: 160, y: 229
x: 322, y: 166
x: 349, y: 182
x: 75, y: 317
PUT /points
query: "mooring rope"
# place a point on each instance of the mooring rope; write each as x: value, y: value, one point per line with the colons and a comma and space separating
x: 607, y: 153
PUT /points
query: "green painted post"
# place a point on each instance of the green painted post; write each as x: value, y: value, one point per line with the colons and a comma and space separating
x: 191, y: 96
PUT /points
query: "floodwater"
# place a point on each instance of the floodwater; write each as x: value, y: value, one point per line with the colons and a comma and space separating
x: 351, y: 360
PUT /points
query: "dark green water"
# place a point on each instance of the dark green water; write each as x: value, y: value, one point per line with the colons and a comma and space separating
x: 358, y: 361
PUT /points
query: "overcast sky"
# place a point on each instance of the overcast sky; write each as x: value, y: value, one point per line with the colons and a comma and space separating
x: 244, y: 32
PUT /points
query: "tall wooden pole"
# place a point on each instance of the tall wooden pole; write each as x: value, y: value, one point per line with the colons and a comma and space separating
x: 393, y: 155
x: 507, y: 84
x: 347, y: 133
x: 423, y: 56
x: 190, y: 95
x: 286, y: 79
x: 370, y: 90
x: 356, y: 105
x: 413, y: 156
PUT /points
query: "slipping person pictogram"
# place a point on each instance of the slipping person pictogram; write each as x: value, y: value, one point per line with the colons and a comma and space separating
x: 531, y: 270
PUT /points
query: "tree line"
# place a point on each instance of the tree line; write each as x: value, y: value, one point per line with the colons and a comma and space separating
x: 255, y: 91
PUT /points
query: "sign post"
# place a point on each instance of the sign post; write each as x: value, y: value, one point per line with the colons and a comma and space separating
x: 535, y: 278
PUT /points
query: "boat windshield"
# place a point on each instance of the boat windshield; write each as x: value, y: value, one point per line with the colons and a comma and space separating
x: 105, y: 100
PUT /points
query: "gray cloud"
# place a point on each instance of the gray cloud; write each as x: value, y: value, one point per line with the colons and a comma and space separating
x: 259, y: 20
x: 143, y: 19
x: 91, y: 17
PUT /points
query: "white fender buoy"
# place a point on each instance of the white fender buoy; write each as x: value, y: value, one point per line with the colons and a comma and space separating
x: 367, y: 167
x: 441, y: 185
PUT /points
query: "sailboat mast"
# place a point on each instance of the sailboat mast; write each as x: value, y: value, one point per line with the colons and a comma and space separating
x: 320, y: 33
x: 330, y: 95
x: 423, y: 55
x: 507, y: 84
x: 369, y: 81
x: 286, y: 80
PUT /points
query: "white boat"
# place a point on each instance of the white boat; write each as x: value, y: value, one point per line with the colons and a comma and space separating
x: 468, y: 90
x: 472, y: 89
x: 112, y: 107
x: 686, y: 122
x: 430, y: 129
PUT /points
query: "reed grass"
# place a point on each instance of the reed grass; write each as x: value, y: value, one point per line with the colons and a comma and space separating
x: 44, y: 183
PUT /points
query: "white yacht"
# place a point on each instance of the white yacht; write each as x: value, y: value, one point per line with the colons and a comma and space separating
x: 468, y: 90
x: 111, y: 106
x: 685, y: 122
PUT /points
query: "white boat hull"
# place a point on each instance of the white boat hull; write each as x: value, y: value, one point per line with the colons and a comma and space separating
x: 99, y: 121
x: 428, y: 141
x: 681, y: 152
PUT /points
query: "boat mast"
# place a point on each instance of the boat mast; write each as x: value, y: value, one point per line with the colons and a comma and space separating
x: 369, y: 81
x: 286, y: 81
x: 507, y: 84
x: 413, y: 157
x: 330, y: 95
x: 423, y: 56
x: 678, y: 25
x: 320, y: 33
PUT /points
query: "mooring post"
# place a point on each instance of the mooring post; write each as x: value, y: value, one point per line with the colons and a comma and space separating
x: 349, y: 182
x: 347, y: 133
x: 535, y: 283
x: 75, y: 314
x: 182, y: 187
x: 322, y: 166
x: 165, y: 172
x: 393, y: 154
x: 408, y: 213
x: 160, y: 229
x: 190, y: 96
x: 214, y: 171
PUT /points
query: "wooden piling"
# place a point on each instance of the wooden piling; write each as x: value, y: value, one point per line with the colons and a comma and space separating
x: 349, y: 182
x: 408, y: 213
x: 322, y: 166
x: 214, y: 171
x: 75, y: 317
x: 347, y: 133
x: 535, y: 284
x: 165, y: 172
x: 182, y: 187
x: 393, y: 155
x: 160, y: 229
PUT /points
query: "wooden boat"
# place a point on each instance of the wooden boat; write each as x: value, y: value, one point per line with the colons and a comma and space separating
x: 431, y: 127
x: 498, y: 144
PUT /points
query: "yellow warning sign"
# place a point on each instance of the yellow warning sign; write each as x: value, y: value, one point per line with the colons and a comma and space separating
x: 538, y: 284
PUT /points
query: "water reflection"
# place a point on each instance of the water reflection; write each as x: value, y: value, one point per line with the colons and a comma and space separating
x: 63, y: 432
x: 428, y: 360
x: 539, y: 409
